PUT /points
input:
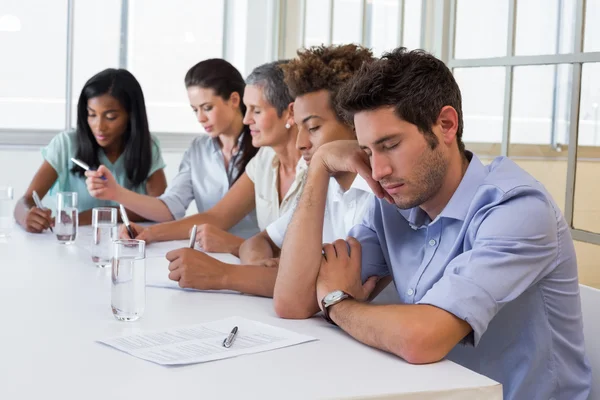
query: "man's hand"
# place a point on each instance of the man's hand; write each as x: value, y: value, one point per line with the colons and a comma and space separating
x: 194, y: 269
x: 340, y: 270
x: 345, y: 156
x: 215, y: 240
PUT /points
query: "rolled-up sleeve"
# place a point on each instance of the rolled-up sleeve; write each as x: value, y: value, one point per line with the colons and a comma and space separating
x: 373, y: 260
x: 515, y: 245
x: 180, y: 193
x: 276, y: 229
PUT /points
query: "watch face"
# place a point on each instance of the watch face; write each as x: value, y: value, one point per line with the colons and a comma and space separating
x: 333, y: 296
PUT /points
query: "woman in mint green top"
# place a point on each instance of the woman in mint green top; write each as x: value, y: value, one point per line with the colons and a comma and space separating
x: 112, y: 131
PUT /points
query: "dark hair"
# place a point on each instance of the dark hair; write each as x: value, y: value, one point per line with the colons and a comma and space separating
x: 415, y: 83
x: 137, y: 153
x: 325, y: 68
x: 224, y: 79
x: 270, y: 77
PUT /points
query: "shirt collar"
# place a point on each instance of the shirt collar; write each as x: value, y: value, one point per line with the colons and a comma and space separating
x: 459, y: 203
x: 360, y: 184
x: 217, y: 144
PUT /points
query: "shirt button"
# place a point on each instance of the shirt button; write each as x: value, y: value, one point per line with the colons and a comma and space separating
x: 432, y: 242
x: 410, y: 292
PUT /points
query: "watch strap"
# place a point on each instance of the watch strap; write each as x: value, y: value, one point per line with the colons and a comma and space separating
x: 325, y: 306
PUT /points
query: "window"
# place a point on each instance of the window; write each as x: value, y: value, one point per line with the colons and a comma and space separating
x: 379, y: 24
x: 165, y: 40
x: 523, y: 73
x: 157, y: 41
x: 481, y: 28
x: 33, y: 64
x: 483, y: 104
x: 96, y: 41
x: 587, y: 184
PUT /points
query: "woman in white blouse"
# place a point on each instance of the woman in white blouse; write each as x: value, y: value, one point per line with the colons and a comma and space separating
x: 273, y: 178
x: 212, y: 164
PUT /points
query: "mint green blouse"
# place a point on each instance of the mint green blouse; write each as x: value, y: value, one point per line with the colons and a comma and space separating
x: 58, y: 154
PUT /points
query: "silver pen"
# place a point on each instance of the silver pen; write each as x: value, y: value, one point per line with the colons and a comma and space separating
x: 126, y: 221
x: 38, y: 204
x: 193, y: 237
x: 84, y: 166
x: 228, y: 341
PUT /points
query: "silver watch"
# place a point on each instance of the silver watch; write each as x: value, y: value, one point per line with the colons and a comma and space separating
x: 333, y: 298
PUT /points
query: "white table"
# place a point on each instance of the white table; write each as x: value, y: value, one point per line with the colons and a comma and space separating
x: 55, y: 303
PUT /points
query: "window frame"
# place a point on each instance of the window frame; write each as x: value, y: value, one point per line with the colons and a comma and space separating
x: 576, y: 59
x: 365, y: 23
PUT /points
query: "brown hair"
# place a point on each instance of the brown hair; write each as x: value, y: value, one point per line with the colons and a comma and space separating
x: 325, y: 68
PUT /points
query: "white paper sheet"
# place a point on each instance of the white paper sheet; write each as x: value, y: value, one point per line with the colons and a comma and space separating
x: 157, y: 272
x: 153, y: 250
x: 204, y: 342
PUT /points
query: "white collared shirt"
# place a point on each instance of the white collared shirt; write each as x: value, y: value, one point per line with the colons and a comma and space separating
x: 343, y: 210
x: 263, y: 170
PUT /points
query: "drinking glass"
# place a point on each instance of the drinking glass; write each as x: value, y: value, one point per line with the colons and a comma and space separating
x: 67, y: 217
x: 104, y: 227
x: 128, y: 285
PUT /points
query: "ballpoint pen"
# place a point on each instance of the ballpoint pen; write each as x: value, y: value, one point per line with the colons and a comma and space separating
x: 125, y: 220
x: 228, y: 341
x: 84, y: 166
x: 38, y: 204
x: 193, y: 237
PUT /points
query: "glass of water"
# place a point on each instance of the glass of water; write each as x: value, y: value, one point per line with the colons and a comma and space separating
x: 67, y: 217
x: 6, y: 207
x: 128, y: 286
x: 104, y: 226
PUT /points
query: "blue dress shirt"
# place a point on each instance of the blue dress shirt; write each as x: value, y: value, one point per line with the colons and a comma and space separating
x: 499, y: 256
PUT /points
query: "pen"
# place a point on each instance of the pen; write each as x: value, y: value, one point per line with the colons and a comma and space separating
x: 228, y: 341
x: 126, y: 221
x: 84, y: 166
x: 38, y: 204
x: 193, y: 237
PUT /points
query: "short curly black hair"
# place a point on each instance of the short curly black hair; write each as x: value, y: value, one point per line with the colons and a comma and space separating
x: 415, y: 83
x: 325, y: 68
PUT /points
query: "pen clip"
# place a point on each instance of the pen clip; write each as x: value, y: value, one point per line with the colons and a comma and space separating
x: 228, y: 341
x: 193, y: 237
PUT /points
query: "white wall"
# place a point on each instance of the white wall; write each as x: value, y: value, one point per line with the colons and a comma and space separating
x: 18, y: 165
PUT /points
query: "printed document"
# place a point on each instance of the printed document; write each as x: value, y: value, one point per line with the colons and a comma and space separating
x: 204, y: 342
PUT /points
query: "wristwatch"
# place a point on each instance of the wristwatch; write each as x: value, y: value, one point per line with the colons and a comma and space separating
x: 333, y: 298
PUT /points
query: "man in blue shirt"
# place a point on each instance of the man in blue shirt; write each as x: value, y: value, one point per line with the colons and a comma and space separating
x: 481, y: 256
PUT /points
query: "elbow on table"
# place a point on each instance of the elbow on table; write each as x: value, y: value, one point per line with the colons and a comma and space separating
x: 290, y: 308
x: 418, y: 348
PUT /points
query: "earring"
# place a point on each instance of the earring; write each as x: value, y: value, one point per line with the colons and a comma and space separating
x: 287, y: 126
